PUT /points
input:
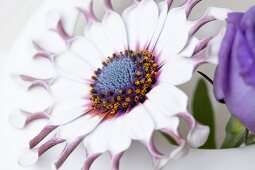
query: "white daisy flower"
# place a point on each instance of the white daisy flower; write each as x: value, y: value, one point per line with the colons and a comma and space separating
x: 115, y: 82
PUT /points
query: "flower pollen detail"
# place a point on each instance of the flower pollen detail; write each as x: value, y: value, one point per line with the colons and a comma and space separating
x: 123, y: 82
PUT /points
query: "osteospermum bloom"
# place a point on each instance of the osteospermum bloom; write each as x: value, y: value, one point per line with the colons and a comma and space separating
x: 115, y: 82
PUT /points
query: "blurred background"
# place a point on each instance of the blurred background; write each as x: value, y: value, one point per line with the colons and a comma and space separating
x: 15, y: 13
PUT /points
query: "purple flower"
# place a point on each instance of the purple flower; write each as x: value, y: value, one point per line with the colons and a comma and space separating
x: 234, y: 80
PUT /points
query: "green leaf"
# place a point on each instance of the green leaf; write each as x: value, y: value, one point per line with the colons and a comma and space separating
x: 203, y: 112
x: 235, y: 134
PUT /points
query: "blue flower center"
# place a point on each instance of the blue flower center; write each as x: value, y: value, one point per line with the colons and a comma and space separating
x: 123, y: 82
x: 116, y: 75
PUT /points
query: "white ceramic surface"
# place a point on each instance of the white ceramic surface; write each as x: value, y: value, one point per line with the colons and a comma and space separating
x: 14, y: 14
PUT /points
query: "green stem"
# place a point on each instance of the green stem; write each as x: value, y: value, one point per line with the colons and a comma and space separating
x: 246, y: 137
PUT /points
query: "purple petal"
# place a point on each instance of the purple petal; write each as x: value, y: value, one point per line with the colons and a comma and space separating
x: 239, y: 96
x: 245, y: 58
x: 222, y: 70
x: 248, y: 27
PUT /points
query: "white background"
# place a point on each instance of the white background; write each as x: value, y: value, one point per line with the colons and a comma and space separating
x: 13, y: 17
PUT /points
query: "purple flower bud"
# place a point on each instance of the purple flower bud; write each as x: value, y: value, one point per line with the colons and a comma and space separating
x: 234, y: 80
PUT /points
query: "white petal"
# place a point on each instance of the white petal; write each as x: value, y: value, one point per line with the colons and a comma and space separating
x: 34, y: 101
x: 52, y: 19
x: 115, y: 158
x: 214, y: 47
x: 212, y: 13
x: 70, y: 146
x: 68, y: 12
x: 198, y: 133
x: 163, y: 9
x: 28, y: 157
x: 118, y: 140
x: 73, y: 67
x: 96, y: 142
x: 17, y: 118
x: 89, y: 160
x: 39, y: 68
x: 198, y: 136
x: 20, y: 118
x: 85, y: 49
x: 38, y: 72
x: 95, y: 32
x: 161, y: 120
x: 141, y: 20
x: 86, y: 7
x: 168, y: 99
x: 65, y: 88
x: 27, y: 82
x: 139, y: 124
x: 56, y: 24
x: 108, y: 136
x: 67, y: 110
x: 79, y: 127
x: 173, y: 32
x: 218, y: 13
x: 130, y: 24
x: 50, y: 41
x: 189, y: 48
x: 177, y: 153
x: 176, y: 43
x: 115, y: 30
x: 178, y: 70
x: 168, y: 125
x: 49, y: 37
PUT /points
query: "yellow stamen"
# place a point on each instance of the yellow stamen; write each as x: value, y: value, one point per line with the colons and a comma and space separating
x: 118, y: 98
x: 149, y: 80
x: 136, y: 98
x: 128, y: 99
x: 130, y: 91
x: 137, y: 91
x: 125, y: 104
x: 142, y: 81
x: 138, y: 73
x: 137, y: 82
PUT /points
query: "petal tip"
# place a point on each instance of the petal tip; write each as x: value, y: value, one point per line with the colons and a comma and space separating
x: 17, y: 119
x: 53, y: 166
x: 174, y: 155
x: 179, y: 152
x: 219, y: 13
x: 53, y: 17
x: 28, y: 157
x: 198, y: 136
